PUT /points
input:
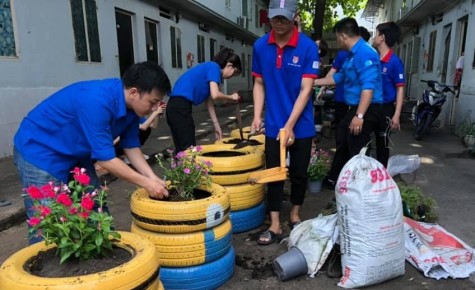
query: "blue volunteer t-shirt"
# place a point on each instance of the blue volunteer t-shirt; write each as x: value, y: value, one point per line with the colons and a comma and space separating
x: 77, y: 123
x: 193, y: 85
x: 392, y: 70
x: 337, y: 65
x: 282, y: 70
x: 361, y: 71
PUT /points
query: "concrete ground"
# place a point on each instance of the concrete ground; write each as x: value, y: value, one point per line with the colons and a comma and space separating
x: 445, y: 174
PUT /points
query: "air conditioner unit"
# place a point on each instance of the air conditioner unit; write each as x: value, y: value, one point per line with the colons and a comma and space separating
x: 243, y: 21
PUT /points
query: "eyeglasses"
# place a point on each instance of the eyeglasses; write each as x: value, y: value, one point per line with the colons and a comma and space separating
x: 280, y: 19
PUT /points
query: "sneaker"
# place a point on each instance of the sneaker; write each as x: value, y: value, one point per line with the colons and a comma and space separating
x: 328, y: 183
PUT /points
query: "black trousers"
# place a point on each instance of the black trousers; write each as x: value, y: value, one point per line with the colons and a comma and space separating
x: 347, y: 144
x: 340, y: 112
x: 382, y: 134
x: 180, y: 120
x: 299, y: 158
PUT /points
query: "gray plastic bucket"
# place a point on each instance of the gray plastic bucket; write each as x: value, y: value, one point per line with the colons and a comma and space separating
x: 290, y: 264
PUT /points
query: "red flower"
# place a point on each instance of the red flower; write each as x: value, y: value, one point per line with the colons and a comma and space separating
x: 34, y: 192
x: 84, y: 215
x: 73, y: 210
x: 44, y: 210
x: 48, y: 190
x: 87, y: 203
x: 34, y: 221
x: 64, y: 198
x: 83, y: 179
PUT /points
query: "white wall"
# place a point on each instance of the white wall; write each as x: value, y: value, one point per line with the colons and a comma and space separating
x: 46, y: 59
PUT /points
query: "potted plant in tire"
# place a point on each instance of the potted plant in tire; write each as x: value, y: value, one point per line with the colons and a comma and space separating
x: 194, y: 202
x: 80, y: 248
x: 317, y: 170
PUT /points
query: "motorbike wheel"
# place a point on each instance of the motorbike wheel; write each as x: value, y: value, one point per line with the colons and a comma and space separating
x: 424, y: 127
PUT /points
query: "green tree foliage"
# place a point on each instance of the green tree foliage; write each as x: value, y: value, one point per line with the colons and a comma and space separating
x: 309, y: 8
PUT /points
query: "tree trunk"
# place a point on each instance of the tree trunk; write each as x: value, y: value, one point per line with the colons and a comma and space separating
x: 318, y: 19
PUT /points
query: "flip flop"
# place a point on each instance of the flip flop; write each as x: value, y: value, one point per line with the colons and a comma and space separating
x: 292, y: 225
x: 267, y: 237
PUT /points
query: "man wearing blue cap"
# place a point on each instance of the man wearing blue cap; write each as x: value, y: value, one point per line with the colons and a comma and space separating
x: 285, y: 64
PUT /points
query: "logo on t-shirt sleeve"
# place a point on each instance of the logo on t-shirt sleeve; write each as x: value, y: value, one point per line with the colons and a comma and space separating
x: 368, y: 63
x: 401, y: 76
x: 316, y: 65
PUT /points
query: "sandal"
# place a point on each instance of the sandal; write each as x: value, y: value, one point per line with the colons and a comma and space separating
x: 267, y: 237
x: 292, y: 225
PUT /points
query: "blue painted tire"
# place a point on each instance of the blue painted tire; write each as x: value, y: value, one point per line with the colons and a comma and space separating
x: 248, y: 219
x: 207, y: 276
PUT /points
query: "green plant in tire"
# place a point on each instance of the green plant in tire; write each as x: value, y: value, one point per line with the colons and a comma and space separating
x: 72, y: 216
x: 184, y: 172
x: 415, y: 204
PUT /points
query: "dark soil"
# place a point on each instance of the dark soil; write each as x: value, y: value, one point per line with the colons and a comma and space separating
x: 250, y: 142
x: 46, y: 264
x: 260, y: 267
x: 223, y: 154
x: 197, y: 194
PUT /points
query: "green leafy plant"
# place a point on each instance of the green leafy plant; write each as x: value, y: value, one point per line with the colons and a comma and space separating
x: 319, y: 165
x: 64, y: 215
x: 418, y: 206
x: 467, y: 127
x: 184, y: 172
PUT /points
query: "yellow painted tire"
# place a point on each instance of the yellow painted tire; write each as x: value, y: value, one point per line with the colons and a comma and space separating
x: 245, y: 131
x: 190, y: 249
x: 260, y: 138
x: 244, y: 196
x: 233, y: 169
x: 160, y: 285
x: 183, y: 216
x: 140, y: 272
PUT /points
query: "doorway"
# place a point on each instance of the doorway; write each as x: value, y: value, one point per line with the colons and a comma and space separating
x: 151, y: 40
x: 445, y: 63
x: 125, y: 40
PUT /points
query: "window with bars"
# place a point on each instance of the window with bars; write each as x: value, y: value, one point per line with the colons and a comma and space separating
x: 175, y: 35
x: 430, y: 58
x: 201, y: 48
x: 86, y: 32
x: 7, y: 35
x: 151, y: 34
x: 244, y: 8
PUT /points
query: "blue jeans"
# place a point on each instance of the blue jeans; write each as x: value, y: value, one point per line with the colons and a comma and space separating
x: 31, y: 175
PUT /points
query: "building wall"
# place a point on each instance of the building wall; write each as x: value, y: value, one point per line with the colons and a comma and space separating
x: 46, y: 59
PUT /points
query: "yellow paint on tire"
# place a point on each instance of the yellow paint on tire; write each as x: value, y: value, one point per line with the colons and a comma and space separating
x: 244, y: 196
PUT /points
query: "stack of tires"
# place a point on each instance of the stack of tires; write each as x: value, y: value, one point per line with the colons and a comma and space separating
x: 231, y: 168
x: 193, y: 238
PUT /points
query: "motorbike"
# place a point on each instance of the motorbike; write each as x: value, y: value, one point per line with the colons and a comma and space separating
x: 426, y: 110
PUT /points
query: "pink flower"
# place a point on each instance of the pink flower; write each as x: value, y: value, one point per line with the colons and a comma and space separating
x: 34, y: 192
x: 199, y: 148
x: 34, y: 221
x: 187, y: 170
x: 63, y: 219
x: 83, y: 179
x: 87, y: 203
x: 48, y: 190
x: 73, y: 210
x: 83, y: 215
x: 44, y: 210
x: 64, y: 198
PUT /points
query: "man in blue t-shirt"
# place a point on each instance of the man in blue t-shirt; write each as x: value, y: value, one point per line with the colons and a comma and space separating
x: 197, y: 85
x: 285, y: 63
x: 361, y: 79
x: 392, y: 70
x: 78, y: 124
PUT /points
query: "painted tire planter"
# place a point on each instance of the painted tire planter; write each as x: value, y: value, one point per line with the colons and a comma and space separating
x: 248, y: 219
x: 231, y: 166
x: 183, y: 216
x: 196, y: 248
x: 245, y: 132
x: 141, y: 272
x: 232, y: 141
x: 244, y: 196
x: 207, y: 276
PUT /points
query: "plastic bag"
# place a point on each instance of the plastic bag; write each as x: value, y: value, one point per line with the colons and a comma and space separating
x: 403, y: 164
x: 436, y: 252
x: 315, y: 239
x: 371, y: 223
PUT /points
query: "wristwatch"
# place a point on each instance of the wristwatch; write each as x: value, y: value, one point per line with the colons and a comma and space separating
x: 359, y: 116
